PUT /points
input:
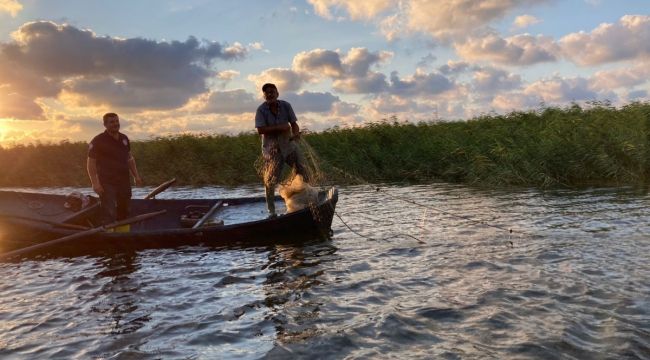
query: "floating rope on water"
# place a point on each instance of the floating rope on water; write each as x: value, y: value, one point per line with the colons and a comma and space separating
x: 313, y: 165
x: 373, y: 239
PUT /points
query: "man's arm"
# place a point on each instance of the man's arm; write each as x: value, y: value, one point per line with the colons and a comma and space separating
x: 293, y: 120
x: 91, y: 167
x: 262, y: 125
x: 134, y: 170
x: 295, y: 130
x: 272, y: 129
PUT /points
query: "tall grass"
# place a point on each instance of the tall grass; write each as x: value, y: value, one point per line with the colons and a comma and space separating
x: 572, y: 146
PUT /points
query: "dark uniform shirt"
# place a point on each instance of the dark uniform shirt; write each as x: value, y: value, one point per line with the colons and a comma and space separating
x: 112, y: 158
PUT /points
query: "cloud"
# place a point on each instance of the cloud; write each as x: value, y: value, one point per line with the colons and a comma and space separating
x: 230, y: 102
x: 516, y: 50
x: 490, y: 80
x: 359, y: 60
x: 350, y: 72
x: 451, y: 19
x: 454, y: 67
x: 419, y: 84
x: 390, y: 104
x: 616, y: 85
x: 342, y: 108
x: 227, y: 75
x: 406, y: 108
x: 626, y: 77
x: 441, y: 19
x: 426, y: 61
x: 256, y: 46
x: 369, y: 84
x: 561, y: 90
x: 637, y: 95
x: 524, y: 21
x: 286, y: 80
x: 108, y: 71
x: 391, y: 27
x: 122, y: 95
x: 22, y: 132
x: 317, y: 62
x: 307, y: 101
x: 320, y: 62
x: 356, y: 9
x: 515, y: 101
x: 16, y: 106
x: 12, y: 7
x: 234, y: 51
x: 628, y: 39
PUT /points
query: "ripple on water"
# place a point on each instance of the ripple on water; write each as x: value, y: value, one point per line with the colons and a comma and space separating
x: 438, y: 282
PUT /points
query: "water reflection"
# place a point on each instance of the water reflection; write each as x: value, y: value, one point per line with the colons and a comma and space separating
x: 293, y: 272
x: 118, y: 297
x: 576, y: 288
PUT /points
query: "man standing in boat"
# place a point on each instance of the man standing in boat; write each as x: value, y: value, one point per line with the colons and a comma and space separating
x: 109, y: 164
x: 277, y: 125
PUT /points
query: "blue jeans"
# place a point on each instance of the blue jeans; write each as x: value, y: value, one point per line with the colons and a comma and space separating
x: 115, y: 203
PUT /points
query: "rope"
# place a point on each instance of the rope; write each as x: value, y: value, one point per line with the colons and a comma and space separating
x: 371, y: 238
x: 314, y: 160
x: 445, y: 212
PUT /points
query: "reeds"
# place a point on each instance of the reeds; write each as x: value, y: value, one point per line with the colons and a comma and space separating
x: 549, y: 147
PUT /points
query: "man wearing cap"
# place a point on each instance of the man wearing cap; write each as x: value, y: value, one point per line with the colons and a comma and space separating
x: 277, y: 125
x: 109, y: 164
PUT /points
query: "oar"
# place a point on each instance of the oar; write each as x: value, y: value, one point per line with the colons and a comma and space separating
x: 162, y: 187
x: 208, y: 214
x: 81, y: 234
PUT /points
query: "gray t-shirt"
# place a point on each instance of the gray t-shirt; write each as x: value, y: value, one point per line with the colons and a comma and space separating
x: 264, y: 117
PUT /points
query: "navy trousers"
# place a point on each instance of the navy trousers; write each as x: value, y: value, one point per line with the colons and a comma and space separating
x: 115, y: 203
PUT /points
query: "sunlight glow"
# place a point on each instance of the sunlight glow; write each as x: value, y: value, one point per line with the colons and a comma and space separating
x: 2, y: 131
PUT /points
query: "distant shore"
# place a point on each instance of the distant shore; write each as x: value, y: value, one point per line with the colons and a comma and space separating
x: 551, y: 147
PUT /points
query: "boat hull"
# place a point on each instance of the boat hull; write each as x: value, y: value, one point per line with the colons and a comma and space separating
x: 245, y: 224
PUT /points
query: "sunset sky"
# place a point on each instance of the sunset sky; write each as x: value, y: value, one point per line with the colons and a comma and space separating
x: 170, y: 67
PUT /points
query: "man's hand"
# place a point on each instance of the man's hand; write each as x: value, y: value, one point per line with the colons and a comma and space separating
x: 273, y: 129
x: 295, y: 130
x: 138, y: 181
x: 98, y: 189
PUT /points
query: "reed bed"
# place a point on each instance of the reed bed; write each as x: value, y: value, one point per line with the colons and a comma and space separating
x: 594, y: 145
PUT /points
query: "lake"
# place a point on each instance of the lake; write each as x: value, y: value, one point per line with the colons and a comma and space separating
x: 427, y: 271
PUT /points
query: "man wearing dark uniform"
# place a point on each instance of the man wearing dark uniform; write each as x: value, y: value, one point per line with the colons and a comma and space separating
x: 109, y: 164
x: 276, y: 122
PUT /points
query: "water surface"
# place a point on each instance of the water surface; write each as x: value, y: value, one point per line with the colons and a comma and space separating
x: 427, y: 271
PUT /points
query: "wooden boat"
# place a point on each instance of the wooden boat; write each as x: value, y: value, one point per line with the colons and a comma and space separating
x: 28, y: 219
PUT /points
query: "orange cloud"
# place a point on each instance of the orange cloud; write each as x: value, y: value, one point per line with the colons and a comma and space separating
x: 46, y: 58
x: 12, y: 7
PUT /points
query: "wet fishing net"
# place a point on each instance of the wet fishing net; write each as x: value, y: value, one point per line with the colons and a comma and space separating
x: 276, y: 170
x: 297, y: 175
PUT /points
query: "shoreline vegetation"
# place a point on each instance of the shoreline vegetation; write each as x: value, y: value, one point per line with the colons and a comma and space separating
x: 593, y: 145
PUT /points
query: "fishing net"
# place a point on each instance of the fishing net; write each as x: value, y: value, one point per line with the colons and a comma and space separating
x: 284, y: 172
x: 277, y: 171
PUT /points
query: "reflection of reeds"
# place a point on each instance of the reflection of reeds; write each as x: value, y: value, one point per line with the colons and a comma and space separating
x: 597, y: 145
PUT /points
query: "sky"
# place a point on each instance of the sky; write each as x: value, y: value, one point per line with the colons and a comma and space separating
x: 196, y: 66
